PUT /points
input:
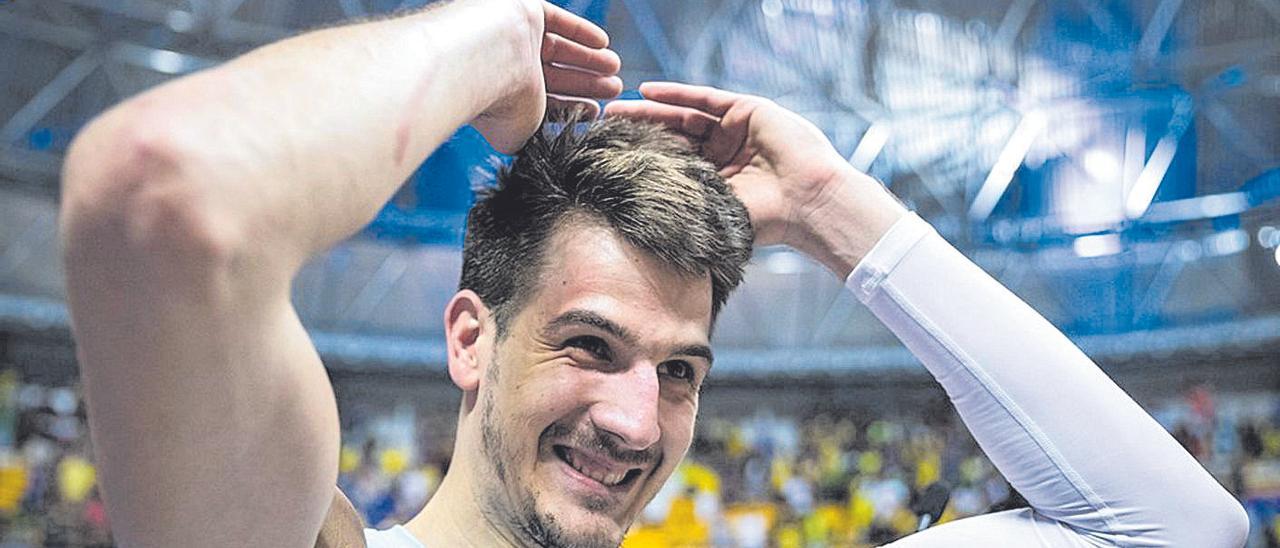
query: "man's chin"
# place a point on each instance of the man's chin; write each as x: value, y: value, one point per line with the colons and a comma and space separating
x: 583, y: 510
x: 573, y: 525
x: 579, y: 519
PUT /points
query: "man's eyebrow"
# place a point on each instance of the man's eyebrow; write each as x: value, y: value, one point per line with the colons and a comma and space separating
x: 592, y: 319
x: 698, y: 351
x: 579, y: 316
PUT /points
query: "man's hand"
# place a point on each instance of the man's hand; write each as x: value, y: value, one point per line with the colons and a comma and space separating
x: 779, y: 164
x: 797, y: 187
x: 564, y: 61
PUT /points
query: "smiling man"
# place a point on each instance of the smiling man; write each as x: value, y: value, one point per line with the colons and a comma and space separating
x: 580, y: 334
x: 591, y: 277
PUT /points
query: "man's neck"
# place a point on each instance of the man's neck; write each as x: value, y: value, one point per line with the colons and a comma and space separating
x: 453, y: 518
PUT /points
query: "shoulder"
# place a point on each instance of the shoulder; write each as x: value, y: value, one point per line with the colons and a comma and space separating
x: 342, y: 526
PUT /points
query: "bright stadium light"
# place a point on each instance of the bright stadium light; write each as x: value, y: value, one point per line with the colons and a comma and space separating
x: 1096, y: 245
x: 163, y: 60
x: 1102, y: 166
x: 1227, y: 242
x: 1268, y: 236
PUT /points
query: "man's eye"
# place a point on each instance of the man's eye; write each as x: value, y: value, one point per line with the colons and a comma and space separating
x: 593, y: 345
x: 677, y: 369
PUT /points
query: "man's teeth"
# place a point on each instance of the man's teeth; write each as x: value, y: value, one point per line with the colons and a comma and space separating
x: 601, y: 475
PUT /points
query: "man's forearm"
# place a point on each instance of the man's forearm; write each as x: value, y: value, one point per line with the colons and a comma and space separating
x: 300, y: 142
x: 1095, y: 467
x: 185, y: 214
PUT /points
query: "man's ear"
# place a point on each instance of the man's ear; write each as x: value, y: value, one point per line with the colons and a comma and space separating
x: 464, y: 333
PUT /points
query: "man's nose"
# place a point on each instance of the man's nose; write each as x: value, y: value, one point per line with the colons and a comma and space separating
x: 628, y: 406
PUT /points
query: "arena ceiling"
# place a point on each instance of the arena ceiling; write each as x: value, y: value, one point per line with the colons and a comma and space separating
x: 1114, y: 164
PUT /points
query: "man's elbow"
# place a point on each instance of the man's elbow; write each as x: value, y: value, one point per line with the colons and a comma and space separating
x: 1211, y: 519
x: 128, y: 192
x: 1231, y: 520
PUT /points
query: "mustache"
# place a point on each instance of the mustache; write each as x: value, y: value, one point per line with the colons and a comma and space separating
x: 602, y: 442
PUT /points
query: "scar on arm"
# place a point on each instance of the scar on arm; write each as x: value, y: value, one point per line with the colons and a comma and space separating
x: 402, y: 141
x: 404, y: 130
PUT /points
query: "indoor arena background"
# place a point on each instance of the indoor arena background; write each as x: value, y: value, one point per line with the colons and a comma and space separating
x: 1115, y: 164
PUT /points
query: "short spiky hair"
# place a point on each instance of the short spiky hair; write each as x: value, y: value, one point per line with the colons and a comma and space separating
x: 642, y: 181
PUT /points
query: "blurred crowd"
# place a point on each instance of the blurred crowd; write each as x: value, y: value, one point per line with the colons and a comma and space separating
x: 824, y: 479
x: 48, y: 493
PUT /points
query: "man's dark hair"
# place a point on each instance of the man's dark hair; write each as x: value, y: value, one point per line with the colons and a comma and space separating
x: 639, y: 179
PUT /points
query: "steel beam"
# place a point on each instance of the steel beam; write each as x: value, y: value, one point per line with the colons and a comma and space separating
x: 1157, y: 291
x: 1233, y: 131
x: 1157, y: 29
x: 696, y: 65
x: 49, y: 96
x: 352, y: 8
x: 144, y: 10
x: 650, y: 27
x: 48, y: 33
x: 37, y: 235
x: 376, y: 288
x: 31, y: 165
x: 1011, y: 25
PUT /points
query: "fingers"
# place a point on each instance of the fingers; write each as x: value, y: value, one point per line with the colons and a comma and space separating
x: 688, y: 121
x: 576, y: 83
x: 560, y: 21
x: 575, y: 63
x: 562, y: 51
x: 715, y: 102
x: 719, y: 139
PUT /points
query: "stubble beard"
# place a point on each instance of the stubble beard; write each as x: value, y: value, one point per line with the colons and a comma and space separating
x: 509, y: 502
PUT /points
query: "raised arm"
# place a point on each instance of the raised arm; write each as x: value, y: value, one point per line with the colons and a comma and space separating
x: 1096, y: 469
x: 187, y: 210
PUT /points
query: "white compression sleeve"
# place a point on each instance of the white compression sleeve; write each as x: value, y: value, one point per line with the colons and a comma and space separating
x: 1096, y: 468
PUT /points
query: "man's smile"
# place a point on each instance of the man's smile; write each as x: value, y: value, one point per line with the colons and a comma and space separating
x: 601, y: 469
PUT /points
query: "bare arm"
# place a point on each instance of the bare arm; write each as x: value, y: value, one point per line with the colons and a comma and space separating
x: 188, y: 209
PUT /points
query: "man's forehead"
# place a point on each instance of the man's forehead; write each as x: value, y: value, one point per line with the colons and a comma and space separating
x: 591, y: 252
x: 589, y: 267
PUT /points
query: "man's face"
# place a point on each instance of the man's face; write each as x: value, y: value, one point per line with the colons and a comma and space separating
x: 590, y: 401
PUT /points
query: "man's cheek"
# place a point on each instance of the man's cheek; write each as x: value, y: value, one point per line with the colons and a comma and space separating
x: 677, y: 430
